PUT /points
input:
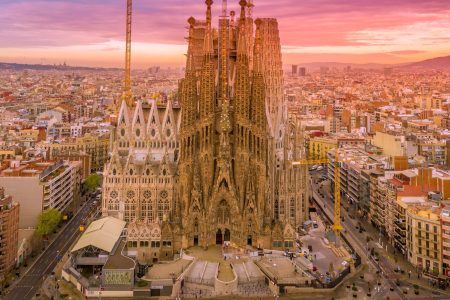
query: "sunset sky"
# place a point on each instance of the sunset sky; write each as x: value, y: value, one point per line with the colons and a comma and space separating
x: 91, y: 32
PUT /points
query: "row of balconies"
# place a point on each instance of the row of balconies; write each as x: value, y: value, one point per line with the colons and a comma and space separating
x: 401, y: 240
x: 401, y: 225
x: 400, y: 232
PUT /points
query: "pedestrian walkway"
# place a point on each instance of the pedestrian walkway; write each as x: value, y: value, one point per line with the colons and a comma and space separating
x: 390, y: 259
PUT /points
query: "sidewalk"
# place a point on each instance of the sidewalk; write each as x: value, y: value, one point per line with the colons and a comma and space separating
x: 31, y: 261
x: 389, y: 259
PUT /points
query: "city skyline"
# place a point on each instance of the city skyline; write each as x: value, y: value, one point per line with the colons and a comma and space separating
x: 358, y: 31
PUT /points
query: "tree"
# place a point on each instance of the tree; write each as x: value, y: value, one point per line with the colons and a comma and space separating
x: 48, y: 220
x: 92, y: 182
x: 36, y: 244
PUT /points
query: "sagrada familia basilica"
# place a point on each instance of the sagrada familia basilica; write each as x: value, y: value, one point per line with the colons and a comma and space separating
x: 218, y: 170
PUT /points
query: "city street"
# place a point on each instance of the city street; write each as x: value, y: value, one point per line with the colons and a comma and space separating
x: 45, y: 263
x: 359, y: 242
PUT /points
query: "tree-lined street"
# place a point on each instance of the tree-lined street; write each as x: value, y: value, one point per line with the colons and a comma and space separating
x: 357, y: 230
x: 27, y: 286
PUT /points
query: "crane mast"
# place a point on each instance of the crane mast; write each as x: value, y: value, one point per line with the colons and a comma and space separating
x: 337, y: 227
x: 224, y: 8
x: 127, y: 80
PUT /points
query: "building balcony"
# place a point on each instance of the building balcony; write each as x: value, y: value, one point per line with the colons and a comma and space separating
x: 445, y: 252
x: 401, y: 233
x: 400, y: 224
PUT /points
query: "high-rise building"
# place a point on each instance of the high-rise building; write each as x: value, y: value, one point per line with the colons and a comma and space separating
x: 336, y: 120
x: 294, y: 70
x: 302, y: 71
x: 9, y: 231
x: 223, y: 170
x: 49, y: 184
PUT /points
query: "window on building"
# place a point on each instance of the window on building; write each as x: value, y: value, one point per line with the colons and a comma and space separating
x: 275, y: 209
x: 292, y: 208
x: 160, y: 210
x: 146, y: 210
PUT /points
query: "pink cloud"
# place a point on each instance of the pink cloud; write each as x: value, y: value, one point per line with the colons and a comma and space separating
x: 312, y: 23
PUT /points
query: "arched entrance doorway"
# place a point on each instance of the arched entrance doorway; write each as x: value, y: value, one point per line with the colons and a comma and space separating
x: 219, y: 237
x: 195, y: 240
x: 249, y: 240
x: 227, y: 235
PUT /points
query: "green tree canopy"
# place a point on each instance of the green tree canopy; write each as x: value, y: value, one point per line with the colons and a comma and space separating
x: 47, y: 221
x: 92, y: 182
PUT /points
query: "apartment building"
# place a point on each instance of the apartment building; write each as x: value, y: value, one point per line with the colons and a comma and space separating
x: 96, y: 146
x: 353, y: 162
x: 9, y: 220
x: 39, y: 185
x: 424, y: 237
x: 319, y: 146
x: 431, y: 179
x: 406, y: 196
x: 392, y: 143
x: 373, y: 192
x: 445, y: 229
x: 435, y: 151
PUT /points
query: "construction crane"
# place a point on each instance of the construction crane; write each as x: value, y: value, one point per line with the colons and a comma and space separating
x: 337, y: 227
x: 224, y: 8
x: 127, y: 96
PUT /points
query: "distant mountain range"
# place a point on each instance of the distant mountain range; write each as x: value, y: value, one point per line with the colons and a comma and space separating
x: 438, y: 63
x: 21, y: 67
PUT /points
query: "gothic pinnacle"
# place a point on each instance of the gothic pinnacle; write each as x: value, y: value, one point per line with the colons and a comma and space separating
x: 243, y: 4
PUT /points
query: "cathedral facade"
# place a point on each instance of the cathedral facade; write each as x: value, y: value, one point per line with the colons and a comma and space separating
x: 222, y: 171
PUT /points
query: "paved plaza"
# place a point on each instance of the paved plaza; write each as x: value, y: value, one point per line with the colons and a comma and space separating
x: 167, y: 270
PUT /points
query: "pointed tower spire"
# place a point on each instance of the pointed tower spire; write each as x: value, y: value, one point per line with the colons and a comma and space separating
x: 190, y: 53
x: 242, y: 69
x: 258, y: 87
x: 208, y: 42
x: 242, y: 43
x: 207, y: 80
x: 257, y: 64
x: 232, y: 15
x: 250, y: 6
x: 223, y: 49
x: 189, y: 83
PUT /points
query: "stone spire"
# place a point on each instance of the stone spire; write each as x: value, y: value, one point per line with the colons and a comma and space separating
x: 223, y: 51
x: 224, y: 130
x: 207, y: 80
x: 258, y: 86
x: 208, y: 41
x: 189, y: 85
x: 190, y: 53
x: 242, y: 68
